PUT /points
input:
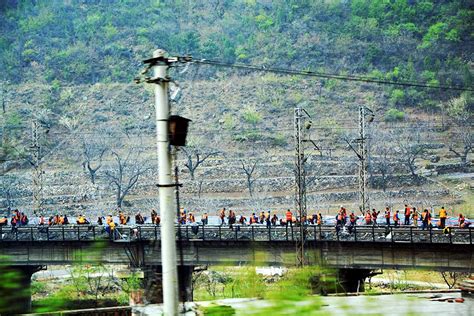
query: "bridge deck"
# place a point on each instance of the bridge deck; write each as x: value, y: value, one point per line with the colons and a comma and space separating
x: 238, y: 233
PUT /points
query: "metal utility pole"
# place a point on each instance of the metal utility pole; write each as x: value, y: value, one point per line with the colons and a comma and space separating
x: 300, y: 181
x: 38, y: 170
x: 363, y: 159
x: 159, y: 65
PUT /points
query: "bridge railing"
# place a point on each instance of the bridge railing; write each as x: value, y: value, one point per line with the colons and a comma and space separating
x: 240, y: 233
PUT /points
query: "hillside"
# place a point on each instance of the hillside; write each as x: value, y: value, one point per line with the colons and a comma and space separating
x: 70, y: 65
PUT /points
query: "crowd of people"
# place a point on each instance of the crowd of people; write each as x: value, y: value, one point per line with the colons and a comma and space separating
x: 410, y: 215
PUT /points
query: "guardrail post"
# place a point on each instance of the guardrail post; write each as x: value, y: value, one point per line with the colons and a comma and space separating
x: 337, y: 234
x: 253, y: 237
x: 286, y: 229
x: 355, y: 232
x: 47, y: 233
x: 156, y: 232
x: 63, y: 232
x: 187, y: 232
x: 411, y: 234
x: 314, y: 229
x: 470, y: 235
x: 292, y: 233
x: 269, y: 233
x: 373, y: 233
x: 391, y: 233
x: 220, y: 233
x: 450, y: 237
x: 139, y: 233
x: 203, y: 233
x: 431, y: 235
x: 93, y: 232
x: 236, y: 232
x: 1, y: 232
x: 320, y: 233
x: 31, y: 231
x: 78, y: 232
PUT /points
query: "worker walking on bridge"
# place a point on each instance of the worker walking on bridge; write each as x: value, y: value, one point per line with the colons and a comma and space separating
x: 387, y: 216
x: 289, y: 218
x: 442, y: 217
x: 407, y: 214
x: 396, y: 219
x: 375, y: 214
x: 414, y: 216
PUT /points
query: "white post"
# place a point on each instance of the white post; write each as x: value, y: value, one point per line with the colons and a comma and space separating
x: 166, y: 189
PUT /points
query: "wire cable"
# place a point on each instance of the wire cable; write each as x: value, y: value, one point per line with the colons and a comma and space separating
x: 331, y: 76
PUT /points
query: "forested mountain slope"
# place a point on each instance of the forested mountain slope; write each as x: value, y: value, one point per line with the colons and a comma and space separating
x: 70, y: 64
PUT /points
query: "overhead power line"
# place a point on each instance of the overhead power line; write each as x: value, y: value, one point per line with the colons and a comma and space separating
x: 332, y: 76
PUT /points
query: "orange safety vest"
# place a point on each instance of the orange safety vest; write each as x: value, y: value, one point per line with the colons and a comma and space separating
x: 288, y: 216
x: 368, y: 217
x: 395, y: 217
x: 387, y: 214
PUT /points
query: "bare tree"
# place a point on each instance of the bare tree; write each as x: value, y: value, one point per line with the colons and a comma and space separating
x: 126, y: 172
x: 452, y: 278
x: 409, y: 148
x: 249, y: 166
x: 93, y: 153
x: 462, y: 136
x: 382, y: 160
x: 195, y: 157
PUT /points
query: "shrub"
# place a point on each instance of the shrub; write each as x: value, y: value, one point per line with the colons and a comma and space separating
x: 393, y: 115
x: 252, y: 116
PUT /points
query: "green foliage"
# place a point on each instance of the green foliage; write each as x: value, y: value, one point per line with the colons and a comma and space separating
x: 397, y: 97
x: 251, y: 116
x: 229, y: 121
x: 393, y: 115
x: 280, y: 140
x: 263, y: 21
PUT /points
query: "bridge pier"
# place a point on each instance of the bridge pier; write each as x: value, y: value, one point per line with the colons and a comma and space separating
x: 153, y: 283
x: 352, y: 280
x: 15, y: 288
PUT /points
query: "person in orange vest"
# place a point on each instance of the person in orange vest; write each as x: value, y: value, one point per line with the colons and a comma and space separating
x: 242, y: 220
x: 14, y: 222
x: 108, y: 219
x: 253, y: 219
x: 289, y: 217
x: 442, y: 217
x: 274, y: 219
x: 204, y: 219
x: 319, y: 219
x: 153, y: 216
x: 122, y: 218
x: 407, y: 214
x: 396, y: 219
x: 352, y: 221
x: 425, y: 219
x: 461, y: 221
x: 375, y: 214
x: 191, y: 218
x: 414, y: 216
x: 222, y: 215
x: 387, y: 216
x: 368, y: 218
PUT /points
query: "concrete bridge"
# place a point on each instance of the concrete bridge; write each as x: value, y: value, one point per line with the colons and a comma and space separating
x: 354, y: 255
